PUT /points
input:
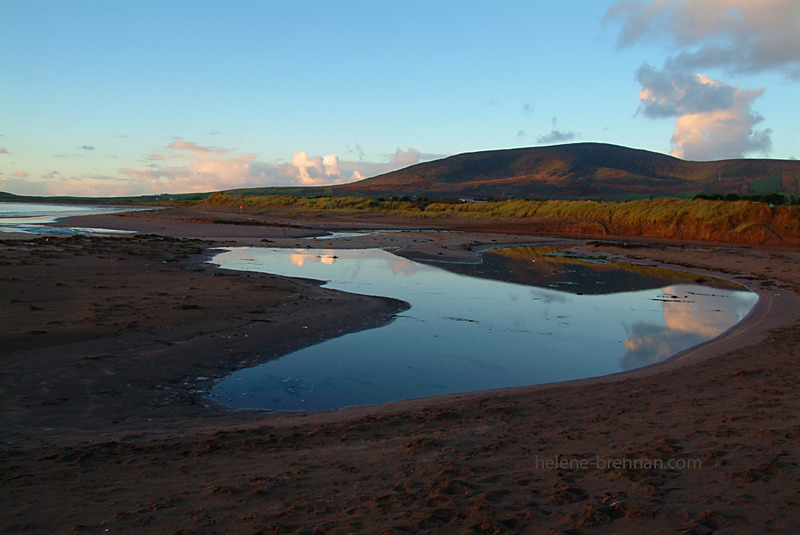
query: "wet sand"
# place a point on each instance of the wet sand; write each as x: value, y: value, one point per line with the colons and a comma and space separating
x: 107, y: 344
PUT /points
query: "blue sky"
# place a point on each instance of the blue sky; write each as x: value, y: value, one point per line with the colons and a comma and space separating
x: 132, y: 97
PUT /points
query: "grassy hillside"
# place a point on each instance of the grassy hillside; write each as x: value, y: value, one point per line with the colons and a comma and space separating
x: 581, y: 170
x: 573, y: 171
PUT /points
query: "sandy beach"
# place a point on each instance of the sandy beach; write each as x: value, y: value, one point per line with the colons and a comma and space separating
x: 108, y: 343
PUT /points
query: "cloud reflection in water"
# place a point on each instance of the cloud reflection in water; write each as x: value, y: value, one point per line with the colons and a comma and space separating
x: 466, y: 331
x: 690, y: 318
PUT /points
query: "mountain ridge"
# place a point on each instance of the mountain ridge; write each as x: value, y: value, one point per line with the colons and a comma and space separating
x: 580, y: 170
x: 588, y: 170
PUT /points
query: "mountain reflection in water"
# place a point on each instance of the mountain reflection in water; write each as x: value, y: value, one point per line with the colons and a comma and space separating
x: 544, y: 266
x: 522, y: 316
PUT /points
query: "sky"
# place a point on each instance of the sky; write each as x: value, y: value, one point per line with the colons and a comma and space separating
x: 130, y: 97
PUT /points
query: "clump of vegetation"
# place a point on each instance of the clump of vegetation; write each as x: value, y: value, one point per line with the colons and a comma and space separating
x: 261, y: 204
x: 697, y: 219
x: 775, y: 199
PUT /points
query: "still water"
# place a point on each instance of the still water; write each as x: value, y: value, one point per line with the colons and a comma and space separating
x: 523, y: 316
x: 33, y: 218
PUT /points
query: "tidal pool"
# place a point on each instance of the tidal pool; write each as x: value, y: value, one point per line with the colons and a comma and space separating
x: 523, y: 316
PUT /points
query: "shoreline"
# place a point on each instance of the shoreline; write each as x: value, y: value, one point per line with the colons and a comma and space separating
x: 749, y: 330
x: 235, y: 230
x: 755, y: 322
x: 449, y: 463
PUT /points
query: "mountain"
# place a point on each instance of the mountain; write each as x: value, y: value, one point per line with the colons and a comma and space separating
x: 572, y: 171
x: 580, y: 170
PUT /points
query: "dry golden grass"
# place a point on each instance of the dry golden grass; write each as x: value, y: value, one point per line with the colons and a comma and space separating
x: 736, y: 222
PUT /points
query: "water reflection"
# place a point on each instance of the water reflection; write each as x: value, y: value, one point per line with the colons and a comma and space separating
x: 546, y: 266
x: 300, y: 256
x: 33, y: 218
x: 690, y: 318
x: 466, y: 332
x: 694, y: 314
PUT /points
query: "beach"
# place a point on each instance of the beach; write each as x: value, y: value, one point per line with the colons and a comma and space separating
x: 108, y: 344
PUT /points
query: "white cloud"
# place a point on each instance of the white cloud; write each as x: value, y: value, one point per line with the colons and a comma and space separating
x: 740, y: 36
x: 722, y: 133
x: 184, y: 166
x: 713, y: 119
x: 316, y: 170
x: 671, y: 94
x: 216, y: 168
x: 406, y: 157
x: 207, y: 170
x: 189, y: 146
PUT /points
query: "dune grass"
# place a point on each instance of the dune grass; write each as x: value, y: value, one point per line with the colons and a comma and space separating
x: 697, y: 219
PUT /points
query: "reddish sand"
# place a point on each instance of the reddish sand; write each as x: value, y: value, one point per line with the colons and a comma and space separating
x: 108, y: 343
